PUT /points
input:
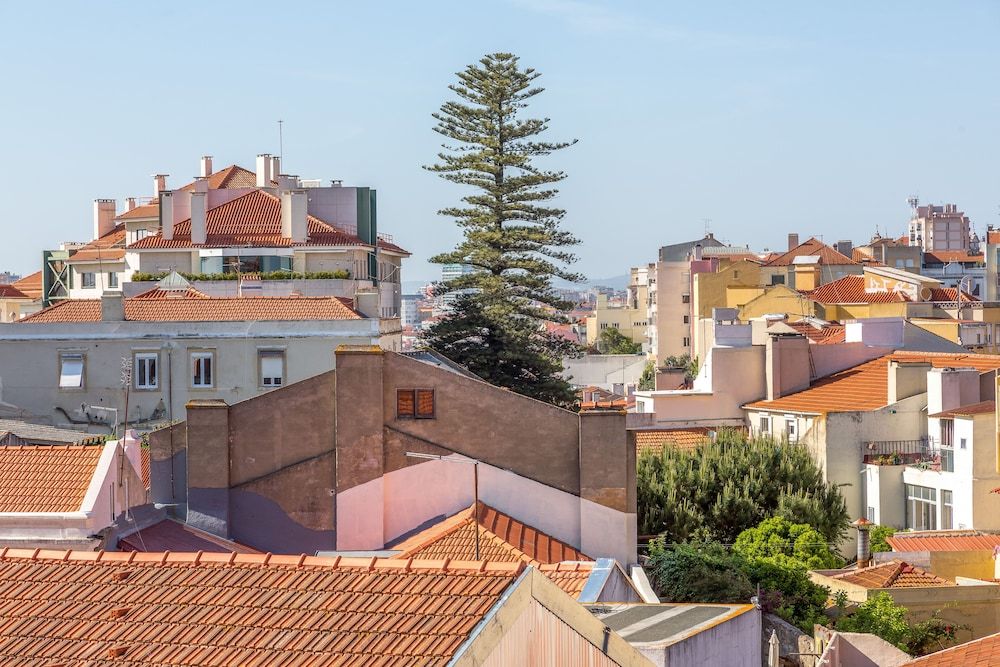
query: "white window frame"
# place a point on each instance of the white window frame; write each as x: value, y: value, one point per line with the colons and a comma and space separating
x: 67, y: 375
x: 267, y: 381
x: 792, y: 429
x: 84, y: 280
x: 197, y: 380
x: 764, y: 426
x: 141, y: 359
x: 112, y: 280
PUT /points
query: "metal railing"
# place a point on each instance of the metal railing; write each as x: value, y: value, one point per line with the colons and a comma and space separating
x: 889, y: 447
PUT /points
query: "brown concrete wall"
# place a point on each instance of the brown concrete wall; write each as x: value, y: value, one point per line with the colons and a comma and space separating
x: 208, y: 466
x: 168, y: 464
x: 282, y: 428
x: 504, y: 429
x: 360, y: 455
x: 607, y: 460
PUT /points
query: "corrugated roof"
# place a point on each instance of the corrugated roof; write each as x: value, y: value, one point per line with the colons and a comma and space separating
x: 173, y: 536
x: 203, y: 309
x: 501, y: 539
x: 894, y: 574
x: 968, y: 540
x: 46, y: 478
x: 813, y: 246
x: 866, y: 387
x: 983, y: 652
x: 239, y: 609
x: 982, y: 408
x: 254, y: 220
x: 43, y: 434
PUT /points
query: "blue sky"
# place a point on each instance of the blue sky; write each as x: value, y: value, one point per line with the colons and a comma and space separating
x: 765, y: 118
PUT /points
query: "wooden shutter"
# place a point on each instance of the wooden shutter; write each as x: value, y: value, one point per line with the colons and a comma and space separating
x: 425, y: 403
x: 405, y: 404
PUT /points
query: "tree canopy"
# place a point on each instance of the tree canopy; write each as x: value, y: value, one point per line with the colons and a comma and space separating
x: 512, y: 235
x: 613, y: 341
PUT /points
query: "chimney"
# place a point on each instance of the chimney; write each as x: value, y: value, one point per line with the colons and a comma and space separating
x: 208, y: 466
x: 864, y: 548
x: 167, y: 216
x: 201, y: 184
x: 366, y: 302
x: 104, y: 217
x: 206, y: 165
x: 159, y: 184
x: 793, y: 241
x: 130, y: 203
x: 294, y: 205
x: 698, y: 252
x: 112, y: 307
x: 949, y: 388
x: 198, y: 231
x: 264, y: 175
x: 845, y: 248
x: 607, y: 482
x: 906, y: 379
x: 287, y: 182
x: 786, y: 364
x: 275, y: 166
x: 807, y: 275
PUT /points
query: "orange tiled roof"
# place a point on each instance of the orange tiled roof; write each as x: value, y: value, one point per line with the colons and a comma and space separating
x: 160, y: 293
x: 950, y: 294
x: 983, y: 652
x: 31, y: 285
x: 946, y: 256
x: 944, y: 541
x: 150, y: 210
x: 570, y: 577
x: 833, y: 333
x: 653, y: 440
x: 894, y: 574
x: 144, y: 465
x: 866, y: 387
x: 981, y: 408
x: 233, y: 176
x: 851, y: 289
x: 109, y: 247
x: 239, y: 609
x: 501, y: 539
x: 46, y: 478
x: 11, y: 292
x: 253, y: 220
x: 813, y: 246
x: 203, y: 309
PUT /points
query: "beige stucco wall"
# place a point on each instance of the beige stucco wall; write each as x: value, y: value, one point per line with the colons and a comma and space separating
x: 151, y: 261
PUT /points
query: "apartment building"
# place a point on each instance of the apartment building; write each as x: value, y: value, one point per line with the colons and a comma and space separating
x: 630, y: 318
x: 937, y: 228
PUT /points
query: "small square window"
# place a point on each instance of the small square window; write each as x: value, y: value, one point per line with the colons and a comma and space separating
x: 765, y: 425
x: 202, y: 371
x: 145, y: 370
x: 415, y: 404
x: 70, y: 371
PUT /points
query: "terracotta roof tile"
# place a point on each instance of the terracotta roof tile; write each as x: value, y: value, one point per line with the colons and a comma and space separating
x: 851, y: 289
x: 946, y: 256
x: 161, y: 293
x: 950, y: 294
x: 144, y: 466
x: 31, y: 285
x: 653, y: 440
x: 239, y: 609
x: 944, y: 541
x: 812, y: 247
x: 983, y: 652
x: 46, y: 478
x: 233, y: 176
x: 866, y: 387
x: 830, y: 334
x: 150, y: 210
x: 571, y: 577
x: 981, y: 408
x: 501, y: 539
x: 11, y: 292
x: 254, y: 220
x: 169, y: 535
x: 894, y: 574
x: 203, y: 309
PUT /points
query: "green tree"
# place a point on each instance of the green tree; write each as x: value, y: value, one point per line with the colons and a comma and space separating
x: 780, y: 539
x: 697, y: 572
x: 512, y: 234
x: 718, y: 490
x: 647, y: 381
x: 613, y: 341
x: 879, y: 535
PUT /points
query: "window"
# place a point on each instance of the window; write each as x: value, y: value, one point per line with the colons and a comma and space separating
x: 777, y: 280
x: 112, y: 280
x: 736, y: 274
x: 88, y: 280
x: 921, y: 507
x: 70, y: 370
x: 271, y: 365
x: 145, y: 370
x: 604, y: 325
x: 947, y: 510
x: 414, y: 404
x: 947, y: 432
x: 202, y: 370
x: 687, y: 342
x: 947, y: 459
x: 961, y: 443
x: 615, y: 325
x: 687, y: 319
x: 871, y: 514
x: 792, y: 429
x: 765, y: 425
x: 685, y: 298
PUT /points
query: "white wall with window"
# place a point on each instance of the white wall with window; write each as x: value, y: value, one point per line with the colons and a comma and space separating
x: 145, y: 371
x: 202, y: 369
x: 89, y: 280
x: 271, y: 368
x: 71, y: 370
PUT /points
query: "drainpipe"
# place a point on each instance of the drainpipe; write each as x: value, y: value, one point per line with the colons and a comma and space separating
x: 863, y: 525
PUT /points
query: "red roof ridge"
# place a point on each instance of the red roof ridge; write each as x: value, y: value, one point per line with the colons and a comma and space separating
x: 268, y: 560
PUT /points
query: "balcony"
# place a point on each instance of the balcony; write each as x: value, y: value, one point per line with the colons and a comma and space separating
x: 925, y: 453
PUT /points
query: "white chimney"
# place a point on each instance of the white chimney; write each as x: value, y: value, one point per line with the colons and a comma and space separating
x: 275, y: 166
x: 130, y: 203
x: 159, y: 184
x: 264, y: 175
x: 198, y: 231
x: 206, y: 165
x: 167, y: 215
x: 104, y: 217
x: 294, y: 205
x: 949, y: 388
x: 201, y: 184
x: 288, y: 182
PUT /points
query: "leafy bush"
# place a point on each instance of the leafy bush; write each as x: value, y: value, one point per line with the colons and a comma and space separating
x: 778, y: 537
x: 613, y: 341
x: 879, y: 537
x: 880, y: 615
x: 339, y: 274
x: 647, y: 381
x: 698, y: 572
x: 718, y: 490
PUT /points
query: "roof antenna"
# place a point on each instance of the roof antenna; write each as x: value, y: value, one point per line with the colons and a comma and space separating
x: 281, y: 144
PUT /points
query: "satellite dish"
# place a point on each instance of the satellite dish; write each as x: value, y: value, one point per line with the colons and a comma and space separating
x: 925, y: 293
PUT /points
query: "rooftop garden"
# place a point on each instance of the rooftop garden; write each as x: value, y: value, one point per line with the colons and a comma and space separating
x: 340, y: 274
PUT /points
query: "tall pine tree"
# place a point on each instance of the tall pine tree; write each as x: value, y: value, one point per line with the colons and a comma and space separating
x: 512, y: 236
